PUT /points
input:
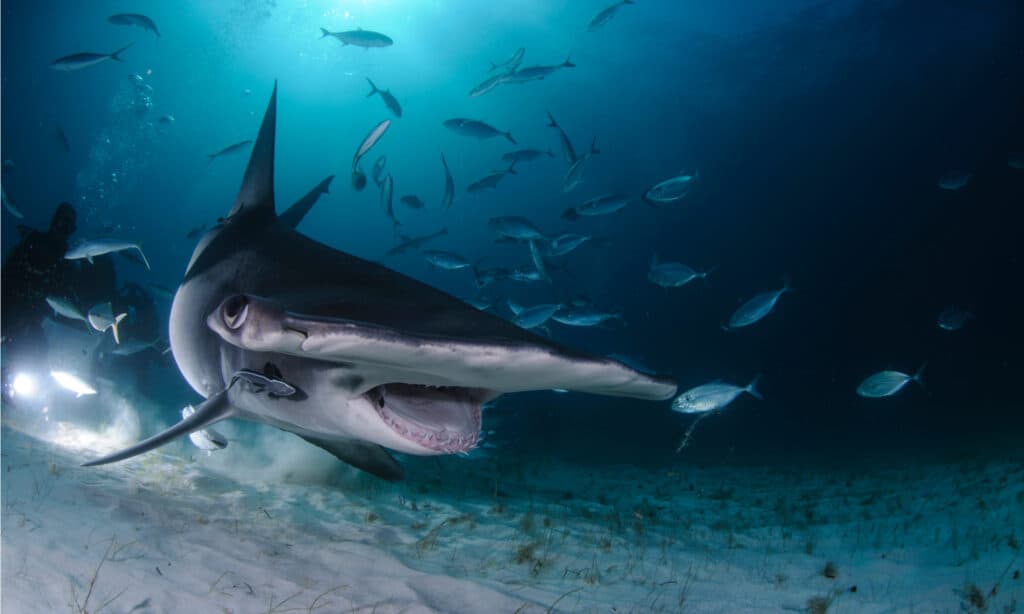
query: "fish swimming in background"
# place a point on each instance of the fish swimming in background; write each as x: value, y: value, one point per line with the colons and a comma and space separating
x: 488, y: 84
x: 63, y: 307
x: 389, y: 100
x: 166, y: 119
x: 756, y: 308
x: 195, y: 232
x: 449, y: 186
x: 568, y: 151
x: 601, y: 205
x: 538, y: 260
x: 888, y: 383
x: 532, y: 317
x: 447, y: 261
x: 955, y: 180
x: 515, y: 227
x: 205, y: 439
x: 583, y: 316
x: 410, y: 243
x: 78, y: 61
x: 534, y: 73
x: 101, y: 317
x: 511, y: 63
x: 672, y: 274
x: 230, y: 149
x: 273, y: 327
x: 670, y: 191
x: 358, y: 176
x: 475, y: 128
x: 97, y: 247
x: 378, y: 169
x: 9, y: 205
x: 131, y: 347
x: 62, y: 138
x: 72, y: 383
x: 563, y: 244
x: 359, y: 38
x: 574, y: 176
x: 1015, y: 159
x: 387, y: 193
x: 953, y: 318
x: 134, y: 19
x: 526, y: 155
x: 606, y: 14
x: 713, y: 396
x: 490, y: 182
x: 412, y: 201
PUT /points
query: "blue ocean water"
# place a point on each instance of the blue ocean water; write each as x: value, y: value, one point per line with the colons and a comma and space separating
x: 816, y: 133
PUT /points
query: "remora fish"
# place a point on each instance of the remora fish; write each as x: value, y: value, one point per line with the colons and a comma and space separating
x: 359, y: 38
x: 713, y: 396
x: 134, y: 19
x: 605, y: 15
x: 888, y: 383
x: 389, y: 100
x: 409, y: 243
x: 362, y: 357
x: 449, y: 186
x: 97, y: 247
x: 475, y: 128
x: 77, y: 61
x: 511, y: 63
x: 230, y: 149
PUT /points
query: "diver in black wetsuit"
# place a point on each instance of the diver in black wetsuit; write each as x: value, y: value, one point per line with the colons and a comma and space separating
x: 35, y: 269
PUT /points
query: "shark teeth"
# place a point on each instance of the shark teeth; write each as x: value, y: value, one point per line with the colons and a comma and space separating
x: 444, y: 419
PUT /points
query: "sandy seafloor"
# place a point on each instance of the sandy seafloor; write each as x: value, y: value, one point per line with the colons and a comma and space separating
x: 180, y: 531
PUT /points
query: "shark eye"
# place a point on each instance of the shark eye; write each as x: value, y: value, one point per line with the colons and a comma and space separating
x: 234, y: 311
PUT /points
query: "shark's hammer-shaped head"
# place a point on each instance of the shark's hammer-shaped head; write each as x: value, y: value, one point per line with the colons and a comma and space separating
x: 276, y: 328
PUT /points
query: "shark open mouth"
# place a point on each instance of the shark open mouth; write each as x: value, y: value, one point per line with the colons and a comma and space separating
x: 445, y: 419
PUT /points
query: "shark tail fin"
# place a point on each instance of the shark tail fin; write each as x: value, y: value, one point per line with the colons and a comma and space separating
x: 213, y: 409
x: 113, y: 327
x: 117, y: 54
x: 752, y: 390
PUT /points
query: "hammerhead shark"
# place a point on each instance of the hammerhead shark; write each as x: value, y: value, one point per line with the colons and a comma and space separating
x: 271, y: 326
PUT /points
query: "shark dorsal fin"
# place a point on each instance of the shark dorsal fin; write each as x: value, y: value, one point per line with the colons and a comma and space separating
x: 256, y: 196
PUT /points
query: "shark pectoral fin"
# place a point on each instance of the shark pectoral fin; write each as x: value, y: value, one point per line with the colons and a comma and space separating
x: 363, y: 455
x: 213, y: 409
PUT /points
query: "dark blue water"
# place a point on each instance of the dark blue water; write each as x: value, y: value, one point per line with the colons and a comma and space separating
x: 819, y: 132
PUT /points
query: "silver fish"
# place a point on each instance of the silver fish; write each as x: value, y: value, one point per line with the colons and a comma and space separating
x: 574, y: 176
x: 605, y: 15
x: 511, y: 63
x: 888, y: 383
x: 756, y: 308
x: 230, y: 149
x: 583, y: 316
x: 488, y: 84
x: 563, y: 244
x: 370, y: 140
x: 387, y: 192
x: 713, y: 396
x: 101, y: 317
x: 449, y: 186
x: 601, y: 205
x: 409, y: 243
x: 490, y: 182
x: 532, y: 317
x: 568, y: 151
x: 63, y: 307
x: 672, y: 274
x: 378, y: 170
x: 130, y: 347
x: 359, y: 38
x: 77, y: 61
x: 9, y: 204
x: 955, y: 180
x: 389, y: 100
x: 515, y: 227
x: 446, y: 260
x: 97, y: 247
x: 538, y: 260
x: 205, y: 439
x: 672, y: 190
x: 134, y: 19
x: 534, y: 73
x: 476, y: 129
x: 954, y: 318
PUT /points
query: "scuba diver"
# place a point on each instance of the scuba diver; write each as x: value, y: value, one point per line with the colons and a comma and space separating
x: 35, y: 269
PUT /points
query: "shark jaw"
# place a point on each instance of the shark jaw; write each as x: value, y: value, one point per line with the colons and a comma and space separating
x: 428, y: 419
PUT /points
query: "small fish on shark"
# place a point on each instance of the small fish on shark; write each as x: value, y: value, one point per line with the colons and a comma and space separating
x: 98, y: 247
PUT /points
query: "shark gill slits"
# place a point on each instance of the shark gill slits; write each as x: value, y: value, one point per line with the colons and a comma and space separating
x: 235, y: 310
